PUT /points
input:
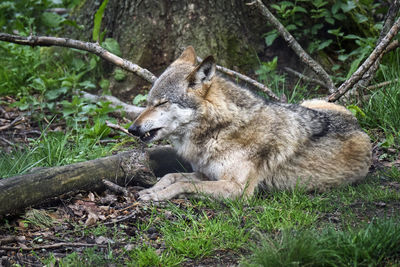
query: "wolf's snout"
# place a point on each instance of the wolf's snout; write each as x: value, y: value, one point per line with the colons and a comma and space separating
x: 134, y: 129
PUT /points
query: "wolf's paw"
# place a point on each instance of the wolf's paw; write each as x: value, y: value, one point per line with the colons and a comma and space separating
x: 147, y: 195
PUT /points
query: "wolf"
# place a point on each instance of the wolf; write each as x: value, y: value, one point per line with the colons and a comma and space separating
x: 237, y: 142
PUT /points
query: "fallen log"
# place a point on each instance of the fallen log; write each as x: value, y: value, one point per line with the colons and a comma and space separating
x: 134, y: 167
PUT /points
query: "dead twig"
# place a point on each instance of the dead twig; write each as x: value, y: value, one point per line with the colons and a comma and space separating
x: 370, y: 73
x: 382, y: 84
x: 130, y: 206
x: 51, y: 246
x: 16, y: 121
x: 86, y: 46
x: 116, y: 188
x: 248, y: 80
x: 12, y: 239
x: 373, y: 57
x: 389, y: 19
x: 305, y: 78
x: 315, y: 66
x: 121, y: 219
x: 6, y: 141
x: 118, y: 128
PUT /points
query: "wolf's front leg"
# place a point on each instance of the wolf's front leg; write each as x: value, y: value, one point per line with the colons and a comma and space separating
x: 168, y: 180
x: 222, y: 188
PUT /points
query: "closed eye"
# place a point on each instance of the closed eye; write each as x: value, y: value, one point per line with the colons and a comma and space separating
x: 161, y: 103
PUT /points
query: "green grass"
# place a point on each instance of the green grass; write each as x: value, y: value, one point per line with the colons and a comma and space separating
x: 148, y: 256
x: 370, y: 245
x: 89, y: 257
x: 51, y: 149
x: 382, y: 109
x: 198, y: 236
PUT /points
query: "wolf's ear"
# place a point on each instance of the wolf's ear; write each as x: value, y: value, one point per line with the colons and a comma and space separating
x: 188, y: 55
x: 203, y: 72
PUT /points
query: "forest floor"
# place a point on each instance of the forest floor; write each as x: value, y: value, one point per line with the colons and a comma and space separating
x: 108, y: 228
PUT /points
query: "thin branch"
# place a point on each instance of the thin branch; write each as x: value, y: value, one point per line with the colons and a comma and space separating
x: 118, y: 128
x: 116, y: 188
x: 14, y: 122
x: 86, y: 46
x: 315, y: 66
x: 389, y: 19
x: 6, y: 141
x: 11, y: 239
x: 358, y: 74
x: 382, y: 84
x: 52, y: 246
x: 248, y: 80
x: 305, y: 78
x: 132, y: 215
x: 370, y: 73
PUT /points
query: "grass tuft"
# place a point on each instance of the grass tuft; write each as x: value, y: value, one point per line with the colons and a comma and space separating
x: 370, y: 245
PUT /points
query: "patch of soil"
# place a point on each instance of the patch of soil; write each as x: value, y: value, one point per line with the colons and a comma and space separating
x: 220, y: 258
x: 16, y: 127
x: 363, y: 211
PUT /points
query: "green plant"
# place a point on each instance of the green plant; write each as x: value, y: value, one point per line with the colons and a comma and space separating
x: 139, y: 99
x: 89, y: 257
x: 148, y: 256
x: 98, y: 17
x: 338, y: 32
x: 382, y: 109
x: 33, y: 16
x: 287, y: 210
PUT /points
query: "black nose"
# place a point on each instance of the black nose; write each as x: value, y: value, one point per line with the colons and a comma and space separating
x: 134, y: 129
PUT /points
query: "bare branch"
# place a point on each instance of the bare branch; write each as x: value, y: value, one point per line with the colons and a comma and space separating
x: 389, y: 19
x: 370, y: 73
x: 116, y: 188
x: 248, y: 80
x: 17, y: 120
x: 118, y: 128
x: 52, y: 246
x: 303, y: 77
x: 373, y: 57
x: 382, y: 84
x: 86, y: 46
x: 315, y: 66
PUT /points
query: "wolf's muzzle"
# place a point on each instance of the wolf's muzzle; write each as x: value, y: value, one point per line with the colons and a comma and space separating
x: 134, y: 130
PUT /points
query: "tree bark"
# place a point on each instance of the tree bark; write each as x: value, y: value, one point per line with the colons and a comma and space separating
x: 131, y: 167
x: 152, y: 33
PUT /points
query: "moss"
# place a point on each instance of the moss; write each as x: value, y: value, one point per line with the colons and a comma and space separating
x: 239, y: 54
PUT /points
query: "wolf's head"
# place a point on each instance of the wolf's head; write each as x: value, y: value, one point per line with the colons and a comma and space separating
x: 174, y: 98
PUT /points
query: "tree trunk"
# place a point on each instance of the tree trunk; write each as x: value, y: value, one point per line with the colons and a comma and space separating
x: 152, y: 33
x: 132, y: 167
